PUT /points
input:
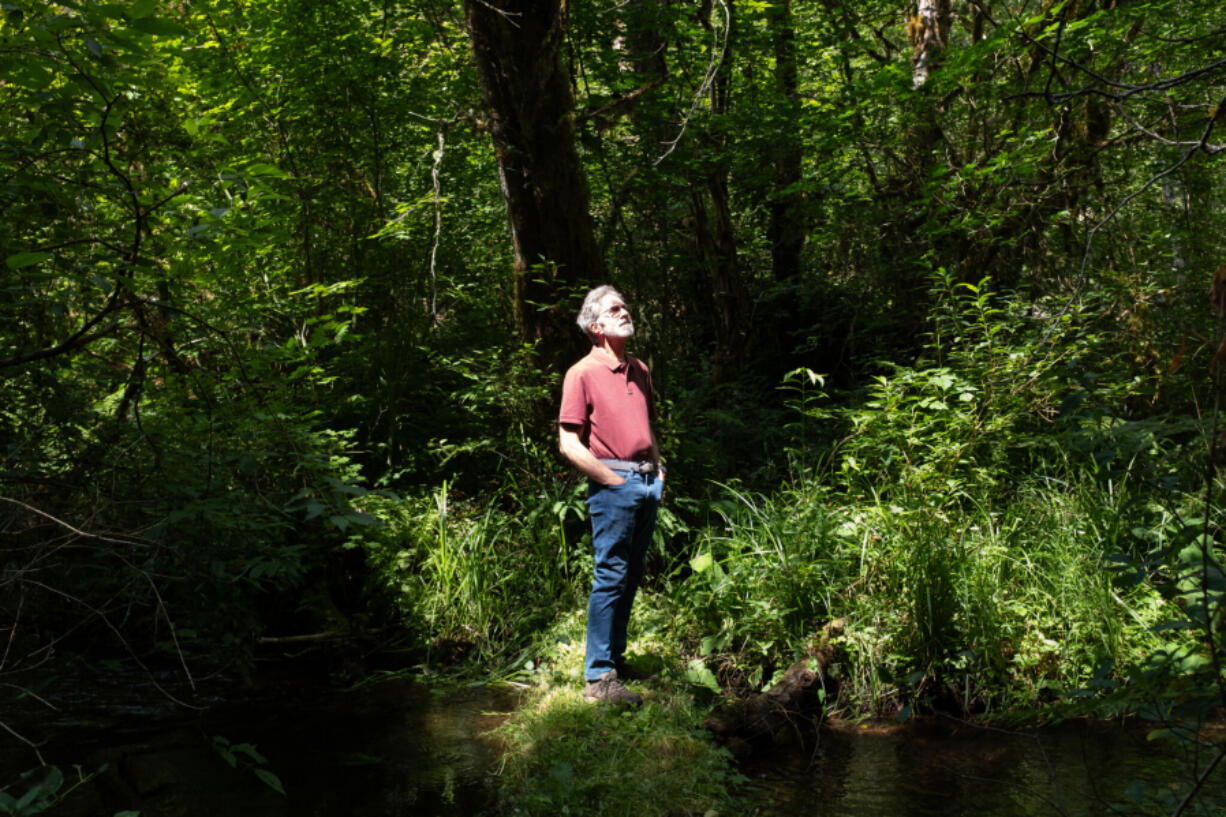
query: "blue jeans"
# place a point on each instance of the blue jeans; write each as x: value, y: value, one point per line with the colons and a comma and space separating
x: 623, y: 519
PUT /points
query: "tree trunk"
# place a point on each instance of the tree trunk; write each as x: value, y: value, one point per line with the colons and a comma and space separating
x: 929, y: 33
x: 518, y: 45
x: 640, y: 40
x: 785, y: 229
x: 714, y: 232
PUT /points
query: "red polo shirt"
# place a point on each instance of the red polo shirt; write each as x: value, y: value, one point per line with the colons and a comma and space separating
x: 613, y: 403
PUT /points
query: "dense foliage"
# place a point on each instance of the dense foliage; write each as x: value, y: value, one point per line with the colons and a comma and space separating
x: 928, y: 326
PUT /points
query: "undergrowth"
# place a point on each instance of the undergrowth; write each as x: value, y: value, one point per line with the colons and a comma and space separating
x: 564, y: 755
x: 980, y: 610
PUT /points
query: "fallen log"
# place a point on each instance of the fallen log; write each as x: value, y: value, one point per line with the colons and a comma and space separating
x: 784, y: 711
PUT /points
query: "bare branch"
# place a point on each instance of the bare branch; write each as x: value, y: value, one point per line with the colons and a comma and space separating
x: 32, y: 694
x: 503, y: 13
x: 438, y: 219
x: 115, y: 630
x: 24, y: 740
x: 719, y: 53
x: 78, y: 339
x: 1200, y: 783
x: 75, y: 530
x: 1201, y: 144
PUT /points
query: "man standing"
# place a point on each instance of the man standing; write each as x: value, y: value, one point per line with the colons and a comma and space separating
x: 604, y: 429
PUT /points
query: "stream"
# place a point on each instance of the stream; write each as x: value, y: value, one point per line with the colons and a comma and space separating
x: 942, y: 768
x: 398, y: 747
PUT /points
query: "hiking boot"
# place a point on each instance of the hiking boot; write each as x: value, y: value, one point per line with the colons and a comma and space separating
x: 608, y: 688
x: 626, y: 672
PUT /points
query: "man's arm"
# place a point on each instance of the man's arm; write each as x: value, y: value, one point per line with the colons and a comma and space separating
x: 582, y: 458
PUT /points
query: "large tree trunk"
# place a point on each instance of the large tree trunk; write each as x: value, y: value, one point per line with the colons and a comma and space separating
x: 518, y: 45
x: 714, y: 233
x: 786, y: 229
x: 924, y: 146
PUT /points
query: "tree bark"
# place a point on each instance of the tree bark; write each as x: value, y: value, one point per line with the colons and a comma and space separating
x: 772, y: 716
x: 714, y: 232
x: 518, y: 46
x: 641, y: 41
x: 929, y: 33
x: 785, y: 229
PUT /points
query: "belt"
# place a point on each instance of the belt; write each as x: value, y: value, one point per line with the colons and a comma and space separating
x: 643, y: 467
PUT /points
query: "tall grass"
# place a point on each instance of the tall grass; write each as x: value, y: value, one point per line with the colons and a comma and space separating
x: 993, y: 605
x: 486, y: 573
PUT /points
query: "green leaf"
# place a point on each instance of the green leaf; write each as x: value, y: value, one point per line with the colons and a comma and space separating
x: 250, y: 751
x: 111, y: 11
x: 27, y: 798
x: 562, y: 773
x: 698, y: 674
x: 702, y: 562
x: 265, y: 169
x: 271, y: 780
x: 27, y: 259
x: 159, y: 27
x: 31, y: 77
x: 142, y: 8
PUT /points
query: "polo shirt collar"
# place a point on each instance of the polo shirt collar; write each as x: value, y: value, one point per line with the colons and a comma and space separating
x: 606, y: 359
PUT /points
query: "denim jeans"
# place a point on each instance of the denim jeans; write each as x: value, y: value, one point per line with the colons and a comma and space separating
x: 623, y: 519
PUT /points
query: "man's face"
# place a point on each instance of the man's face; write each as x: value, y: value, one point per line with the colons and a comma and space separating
x: 614, y: 320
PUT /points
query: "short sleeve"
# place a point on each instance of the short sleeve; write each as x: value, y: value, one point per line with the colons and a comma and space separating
x: 574, y: 409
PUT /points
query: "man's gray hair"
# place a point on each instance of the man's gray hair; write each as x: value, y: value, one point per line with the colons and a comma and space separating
x: 590, y: 313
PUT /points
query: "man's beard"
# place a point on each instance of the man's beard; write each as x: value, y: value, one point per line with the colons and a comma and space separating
x: 622, y: 330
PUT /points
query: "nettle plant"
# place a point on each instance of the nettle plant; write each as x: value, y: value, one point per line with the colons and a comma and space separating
x: 986, y: 398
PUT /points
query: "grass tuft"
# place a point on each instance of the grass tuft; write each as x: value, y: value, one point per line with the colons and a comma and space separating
x: 565, y: 755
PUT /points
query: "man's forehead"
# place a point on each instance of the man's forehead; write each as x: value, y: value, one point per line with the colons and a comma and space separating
x: 611, y: 300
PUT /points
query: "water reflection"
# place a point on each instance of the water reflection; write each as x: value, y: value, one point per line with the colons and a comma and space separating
x: 931, y: 769
x: 390, y: 748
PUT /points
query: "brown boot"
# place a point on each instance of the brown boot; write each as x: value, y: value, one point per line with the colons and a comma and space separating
x: 608, y: 688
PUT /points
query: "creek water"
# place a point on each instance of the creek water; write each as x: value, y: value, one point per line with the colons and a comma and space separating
x: 394, y: 747
x: 397, y: 748
x: 942, y: 768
